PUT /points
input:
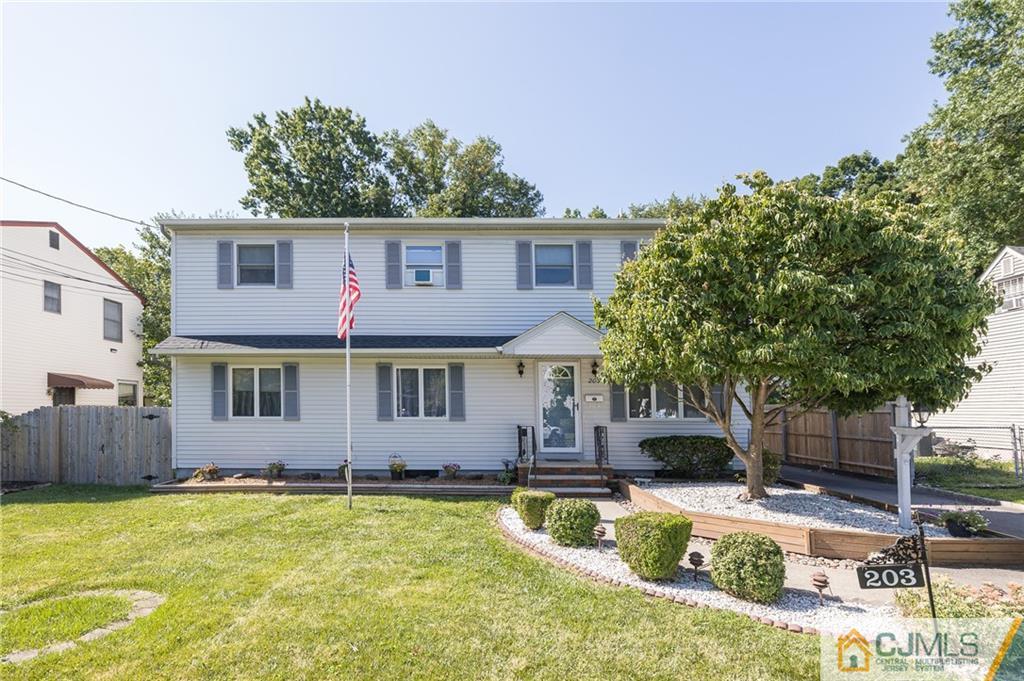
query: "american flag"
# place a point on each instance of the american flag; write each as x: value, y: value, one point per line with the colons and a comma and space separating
x: 347, y: 304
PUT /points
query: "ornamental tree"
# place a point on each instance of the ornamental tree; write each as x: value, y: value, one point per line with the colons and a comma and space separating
x: 791, y: 300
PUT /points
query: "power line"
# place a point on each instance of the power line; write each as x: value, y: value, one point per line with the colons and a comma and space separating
x: 24, y: 278
x: 48, y: 262
x: 27, y: 265
x: 76, y: 205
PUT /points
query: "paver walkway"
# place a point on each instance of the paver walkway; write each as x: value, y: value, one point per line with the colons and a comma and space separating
x: 1003, y: 516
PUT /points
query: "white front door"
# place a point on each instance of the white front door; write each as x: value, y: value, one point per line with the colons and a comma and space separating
x: 559, y: 407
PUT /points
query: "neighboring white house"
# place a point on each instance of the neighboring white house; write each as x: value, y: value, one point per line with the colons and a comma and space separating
x: 467, y: 328
x: 68, y: 323
x: 996, y: 403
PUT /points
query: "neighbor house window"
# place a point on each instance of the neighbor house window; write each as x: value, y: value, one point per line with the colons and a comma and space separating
x: 659, y: 401
x: 421, y: 392
x: 256, y: 391
x: 51, y: 297
x: 55, y: 240
x: 424, y: 265
x: 128, y: 394
x: 553, y: 265
x: 112, y: 327
x: 256, y: 264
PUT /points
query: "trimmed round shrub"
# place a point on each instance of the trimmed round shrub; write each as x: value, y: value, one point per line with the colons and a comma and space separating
x: 571, y: 522
x: 696, y: 457
x: 652, y: 544
x: 748, y: 566
x: 531, y: 505
x: 515, y: 495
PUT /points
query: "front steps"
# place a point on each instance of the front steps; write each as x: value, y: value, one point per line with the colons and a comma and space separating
x: 567, y: 478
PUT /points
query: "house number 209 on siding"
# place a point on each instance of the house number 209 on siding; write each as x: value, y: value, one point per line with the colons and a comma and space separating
x: 890, y: 576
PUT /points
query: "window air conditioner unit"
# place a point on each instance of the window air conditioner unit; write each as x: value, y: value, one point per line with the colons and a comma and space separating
x: 424, y: 277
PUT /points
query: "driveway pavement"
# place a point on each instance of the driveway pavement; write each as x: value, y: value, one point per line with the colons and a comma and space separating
x: 1003, y: 516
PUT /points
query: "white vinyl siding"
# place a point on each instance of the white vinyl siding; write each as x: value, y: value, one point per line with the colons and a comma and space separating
x: 497, y: 400
x: 487, y: 304
x: 69, y: 342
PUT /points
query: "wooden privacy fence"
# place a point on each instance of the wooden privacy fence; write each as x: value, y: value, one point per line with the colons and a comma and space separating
x: 856, y: 444
x: 77, y: 444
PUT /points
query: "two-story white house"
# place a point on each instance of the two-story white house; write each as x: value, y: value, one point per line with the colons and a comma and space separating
x: 466, y: 330
x: 68, y: 323
x: 994, y: 408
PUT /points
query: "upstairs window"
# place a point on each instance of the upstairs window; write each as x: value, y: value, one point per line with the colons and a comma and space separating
x: 112, y: 326
x: 51, y: 297
x: 424, y: 265
x: 54, y: 239
x: 553, y: 265
x: 256, y: 264
x: 421, y: 392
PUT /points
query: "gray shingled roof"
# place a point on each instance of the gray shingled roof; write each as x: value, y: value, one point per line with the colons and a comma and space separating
x: 328, y: 342
x: 1019, y: 249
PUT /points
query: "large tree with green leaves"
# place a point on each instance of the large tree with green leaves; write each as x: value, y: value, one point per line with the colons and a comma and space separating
x: 314, y: 161
x: 437, y: 175
x: 967, y: 161
x: 323, y: 161
x: 793, y: 300
x: 147, y: 268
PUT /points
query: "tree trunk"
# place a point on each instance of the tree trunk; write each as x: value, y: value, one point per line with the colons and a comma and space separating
x: 754, y: 460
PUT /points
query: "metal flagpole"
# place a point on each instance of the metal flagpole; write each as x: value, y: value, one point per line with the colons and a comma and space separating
x: 348, y: 375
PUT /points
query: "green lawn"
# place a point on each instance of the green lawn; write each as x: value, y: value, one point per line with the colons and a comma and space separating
x: 298, y: 587
x: 959, y: 475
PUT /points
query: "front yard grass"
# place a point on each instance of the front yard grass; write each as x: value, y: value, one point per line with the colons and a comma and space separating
x: 960, y: 475
x: 299, y: 587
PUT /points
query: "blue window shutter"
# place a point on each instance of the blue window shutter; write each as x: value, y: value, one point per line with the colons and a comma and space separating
x: 456, y: 392
x: 225, y: 264
x: 524, y: 265
x: 384, y: 404
x: 393, y: 264
x: 284, y: 264
x: 628, y: 249
x: 453, y: 264
x: 291, y: 391
x: 618, y: 402
x: 584, y: 265
x: 219, y: 392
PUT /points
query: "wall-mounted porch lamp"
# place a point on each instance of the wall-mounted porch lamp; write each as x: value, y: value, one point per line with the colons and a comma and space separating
x: 521, y: 367
x: 593, y: 369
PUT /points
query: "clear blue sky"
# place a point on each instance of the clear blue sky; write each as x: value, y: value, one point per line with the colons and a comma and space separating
x: 124, y: 106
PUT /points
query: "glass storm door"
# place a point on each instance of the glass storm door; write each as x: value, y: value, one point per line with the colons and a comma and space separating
x: 559, y: 407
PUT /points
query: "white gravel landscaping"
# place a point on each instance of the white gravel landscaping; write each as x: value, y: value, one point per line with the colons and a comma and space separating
x: 784, y: 505
x: 794, y: 607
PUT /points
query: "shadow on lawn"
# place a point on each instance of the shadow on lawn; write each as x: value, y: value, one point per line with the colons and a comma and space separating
x: 76, y: 494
